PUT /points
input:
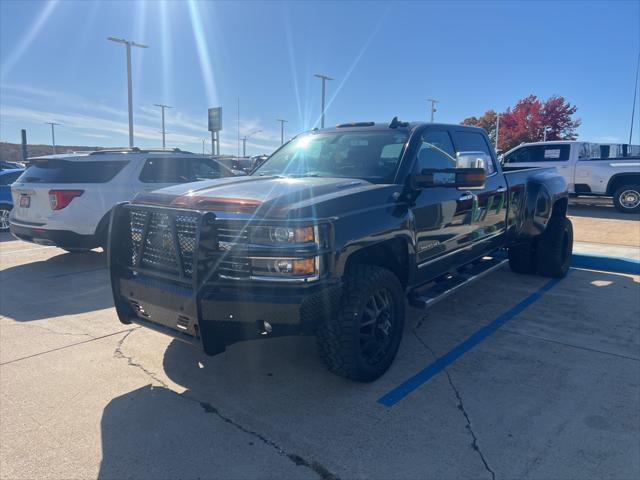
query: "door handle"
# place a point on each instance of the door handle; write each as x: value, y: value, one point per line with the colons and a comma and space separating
x: 467, y: 196
x: 501, y: 190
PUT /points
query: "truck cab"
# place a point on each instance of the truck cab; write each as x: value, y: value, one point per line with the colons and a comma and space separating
x: 590, y: 169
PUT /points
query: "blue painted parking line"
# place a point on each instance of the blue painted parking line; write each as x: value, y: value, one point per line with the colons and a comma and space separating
x: 606, y: 263
x: 394, y: 396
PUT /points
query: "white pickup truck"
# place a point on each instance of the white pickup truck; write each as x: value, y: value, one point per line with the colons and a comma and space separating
x: 589, y: 168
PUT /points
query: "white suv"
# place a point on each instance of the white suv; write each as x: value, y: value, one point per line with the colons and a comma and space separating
x: 65, y: 200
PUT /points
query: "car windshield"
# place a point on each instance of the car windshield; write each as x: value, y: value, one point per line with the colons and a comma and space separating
x: 372, y: 156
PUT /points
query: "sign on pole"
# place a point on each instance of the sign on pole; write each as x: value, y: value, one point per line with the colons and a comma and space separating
x: 215, y: 119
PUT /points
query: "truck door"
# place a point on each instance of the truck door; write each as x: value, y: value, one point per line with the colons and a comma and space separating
x: 545, y: 155
x: 489, y: 213
x: 442, y: 216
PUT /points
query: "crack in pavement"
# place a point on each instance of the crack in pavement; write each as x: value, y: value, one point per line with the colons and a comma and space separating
x: 50, y: 330
x: 474, y: 444
x: 207, y: 407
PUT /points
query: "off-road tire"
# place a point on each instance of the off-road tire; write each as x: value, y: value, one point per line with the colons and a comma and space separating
x: 555, y: 247
x: 522, y: 258
x: 619, y: 202
x: 339, y: 336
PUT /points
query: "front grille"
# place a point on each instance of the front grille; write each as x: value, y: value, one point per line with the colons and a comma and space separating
x: 232, y: 234
x: 163, y: 241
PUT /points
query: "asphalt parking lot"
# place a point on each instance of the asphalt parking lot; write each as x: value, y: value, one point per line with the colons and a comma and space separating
x: 514, y: 377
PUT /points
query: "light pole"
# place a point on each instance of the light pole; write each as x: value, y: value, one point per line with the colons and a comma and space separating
x: 544, y: 133
x: 53, y: 135
x: 129, y: 44
x: 324, y: 78
x: 497, y: 130
x: 433, y: 107
x: 162, y: 107
x: 282, y: 122
x: 244, y: 141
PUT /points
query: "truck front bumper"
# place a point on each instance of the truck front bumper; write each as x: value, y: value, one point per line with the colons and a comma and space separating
x: 219, y: 316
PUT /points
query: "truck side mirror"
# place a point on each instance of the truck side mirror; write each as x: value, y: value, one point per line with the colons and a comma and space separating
x: 449, y: 177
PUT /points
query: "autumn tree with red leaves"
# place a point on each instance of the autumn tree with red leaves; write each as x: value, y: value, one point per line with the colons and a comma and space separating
x: 526, y: 122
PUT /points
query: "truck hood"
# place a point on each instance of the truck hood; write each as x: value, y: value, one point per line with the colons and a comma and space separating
x: 274, y: 197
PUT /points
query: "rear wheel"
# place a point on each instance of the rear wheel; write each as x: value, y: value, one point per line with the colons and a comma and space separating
x: 361, y: 340
x: 555, y: 248
x: 4, y: 218
x: 522, y: 258
x: 627, y: 199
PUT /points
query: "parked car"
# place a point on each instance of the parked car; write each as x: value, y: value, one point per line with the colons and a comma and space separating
x: 4, y: 165
x: 589, y: 168
x: 65, y: 200
x: 330, y: 235
x: 7, y: 177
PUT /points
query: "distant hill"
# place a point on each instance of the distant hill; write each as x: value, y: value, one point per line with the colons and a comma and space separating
x: 12, y: 152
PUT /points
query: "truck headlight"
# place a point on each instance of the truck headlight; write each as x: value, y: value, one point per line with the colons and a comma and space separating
x: 281, y: 235
x: 284, y: 267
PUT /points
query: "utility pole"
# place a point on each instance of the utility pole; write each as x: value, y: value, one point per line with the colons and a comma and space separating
x: 433, y: 107
x: 244, y: 141
x: 162, y: 107
x: 497, y: 130
x: 53, y: 135
x: 238, y: 126
x: 544, y: 134
x: 129, y: 44
x: 282, y: 122
x: 324, y: 78
x: 635, y: 94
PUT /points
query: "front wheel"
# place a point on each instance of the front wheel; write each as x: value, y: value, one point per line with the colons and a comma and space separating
x: 555, y: 248
x: 4, y: 218
x: 361, y: 339
x: 627, y: 199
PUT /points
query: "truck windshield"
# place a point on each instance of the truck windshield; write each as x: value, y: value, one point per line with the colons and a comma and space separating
x: 372, y: 156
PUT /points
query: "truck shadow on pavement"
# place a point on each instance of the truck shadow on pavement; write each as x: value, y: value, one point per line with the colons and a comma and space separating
x: 517, y: 402
x: 64, y: 284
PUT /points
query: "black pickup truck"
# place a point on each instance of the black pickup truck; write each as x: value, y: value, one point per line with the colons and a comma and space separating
x: 331, y: 236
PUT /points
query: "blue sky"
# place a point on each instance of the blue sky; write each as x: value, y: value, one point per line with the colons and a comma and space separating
x: 387, y: 59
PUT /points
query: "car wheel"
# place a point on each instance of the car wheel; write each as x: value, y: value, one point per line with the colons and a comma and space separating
x: 361, y: 340
x: 522, y: 258
x: 555, y: 248
x: 4, y: 219
x: 627, y: 199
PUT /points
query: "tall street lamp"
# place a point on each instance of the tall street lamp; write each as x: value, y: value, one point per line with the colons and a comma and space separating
x: 324, y: 78
x: 244, y: 142
x: 162, y: 107
x: 129, y: 44
x: 282, y: 122
x: 53, y: 135
x: 433, y: 107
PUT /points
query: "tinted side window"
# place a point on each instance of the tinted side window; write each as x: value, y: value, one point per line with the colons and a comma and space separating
x: 540, y: 153
x: 205, y: 169
x: 9, y: 178
x: 436, y: 151
x: 471, y: 142
x: 64, y: 171
x: 166, y: 170
x: 475, y: 142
